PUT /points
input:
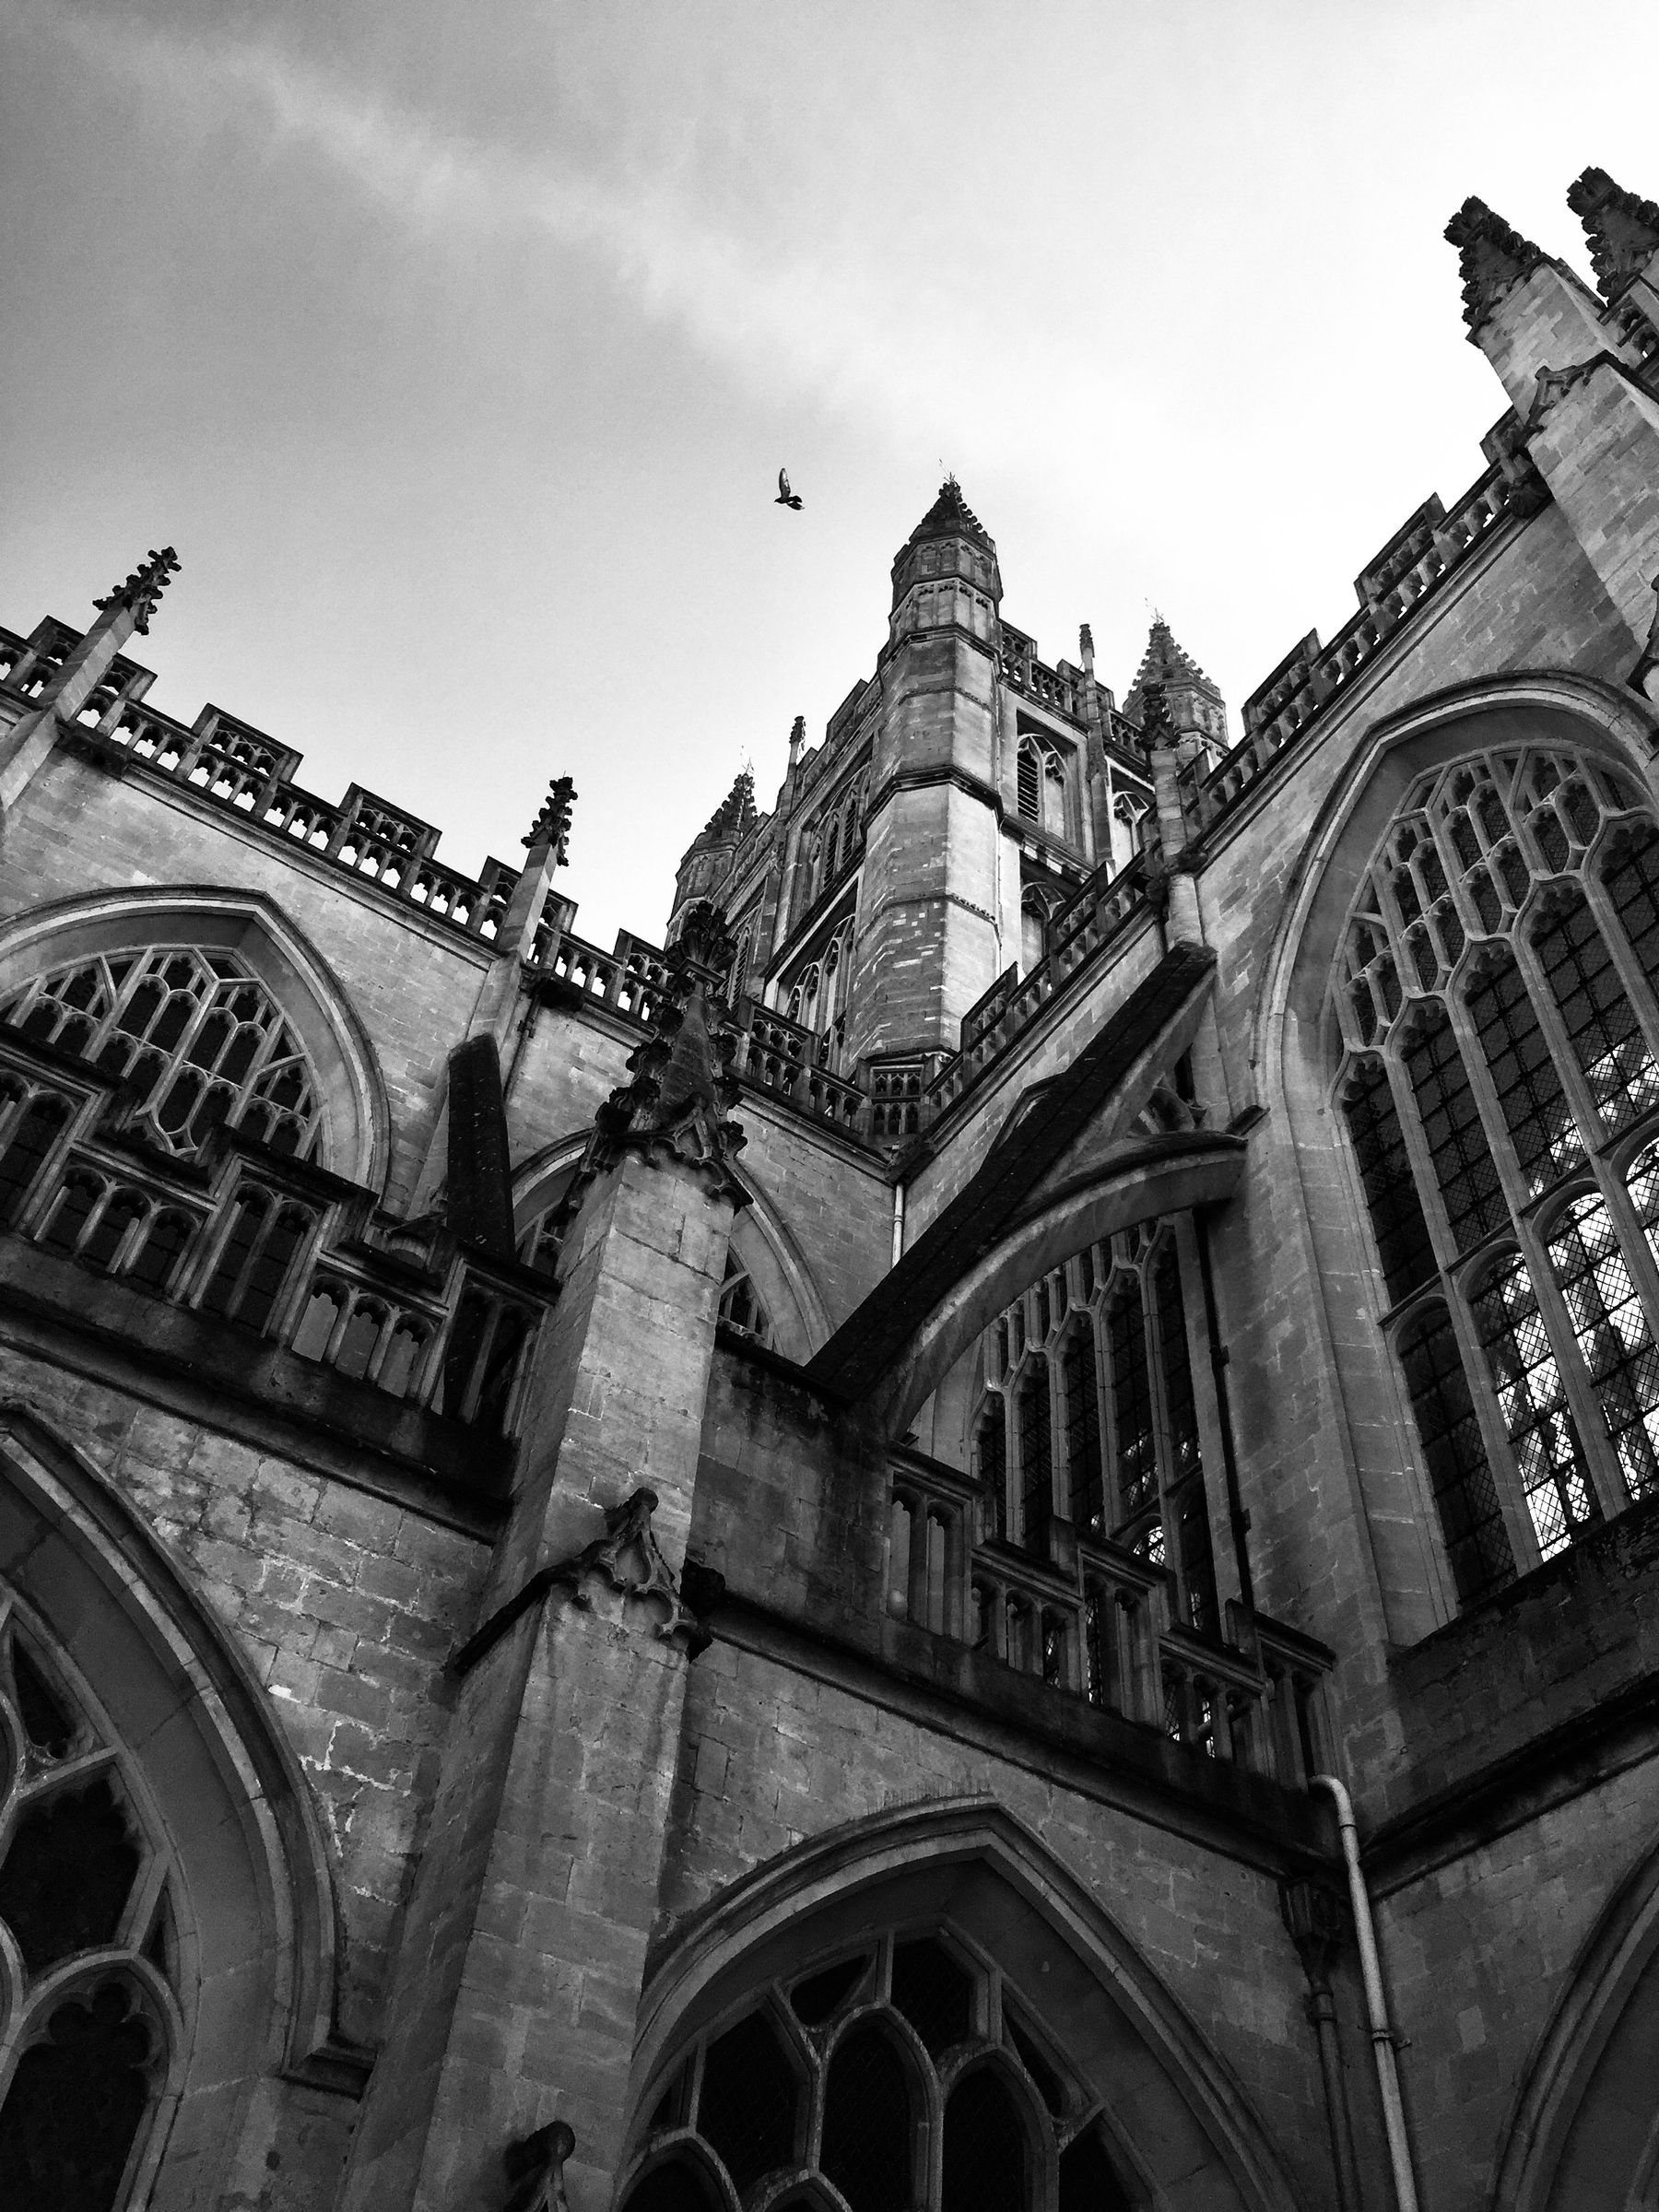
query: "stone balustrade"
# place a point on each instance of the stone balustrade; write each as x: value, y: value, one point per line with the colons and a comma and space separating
x: 1096, y: 1621
x: 242, y: 1233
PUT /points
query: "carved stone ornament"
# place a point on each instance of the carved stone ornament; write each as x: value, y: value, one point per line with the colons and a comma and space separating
x: 1156, y: 728
x: 1646, y: 667
x: 1623, y: 230
x: 1494, y: 259
x: 627, y: 1531
x: 682, y: 1087
x: 630, y: 1560
x: 535, y: 2167
x: 1553, y: 385
x: 143, y: 589
x: 552, y: 824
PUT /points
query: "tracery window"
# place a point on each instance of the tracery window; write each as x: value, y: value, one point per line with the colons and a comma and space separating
x: 740, y: 1306
x: 817, y: 997
x: 904, y: 2073
x: 195, y: 1035
x: 1495, y: 993
x: 1089, y: 1402
x: 88, y: 2018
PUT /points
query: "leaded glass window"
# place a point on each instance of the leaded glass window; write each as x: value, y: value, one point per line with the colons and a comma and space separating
x: 194, y: 1036
x: 1496, y: 995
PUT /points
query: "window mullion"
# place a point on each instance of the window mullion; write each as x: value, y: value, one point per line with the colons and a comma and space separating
x: 1501, y: 1456
x: 1573, y: 1080
x: 1638, y: 984
x: 1601, y: 1464
x: 1163, y: 1456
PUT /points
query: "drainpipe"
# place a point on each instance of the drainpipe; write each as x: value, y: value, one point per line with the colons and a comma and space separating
x: 897, y: 1223
x: 1381, y: 2035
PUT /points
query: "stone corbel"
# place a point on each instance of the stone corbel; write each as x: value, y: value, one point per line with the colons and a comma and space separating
x: 535, y: 2167
x: 629, y: 1542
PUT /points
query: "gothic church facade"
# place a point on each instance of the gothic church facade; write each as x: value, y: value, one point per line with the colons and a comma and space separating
x: 982, y: 1537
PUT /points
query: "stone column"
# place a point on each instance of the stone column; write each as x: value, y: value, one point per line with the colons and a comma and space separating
x: 522, y: 1956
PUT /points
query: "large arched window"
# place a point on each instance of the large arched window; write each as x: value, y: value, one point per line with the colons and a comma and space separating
x: 1495, y: 992
x: 193, y: 1035
x: 902, y: 2071
x: 1090, y: 1401
x: 89, y: 2024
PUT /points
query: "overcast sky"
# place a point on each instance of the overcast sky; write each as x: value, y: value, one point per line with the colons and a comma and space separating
x: 456, y: 347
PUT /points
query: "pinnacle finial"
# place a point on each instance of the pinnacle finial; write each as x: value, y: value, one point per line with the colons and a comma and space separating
x: 143, y: 589
x: 1494, y: 259
x: 1623, y: 230
x: 552, y: 824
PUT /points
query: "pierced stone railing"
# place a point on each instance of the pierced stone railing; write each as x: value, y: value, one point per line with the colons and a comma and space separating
x: 1018, y: 664
x: 239, y: 1234
x: 1096, y: 1621
x: 778, y: 1056
x: 233, y: 766
x: 1432, y: 546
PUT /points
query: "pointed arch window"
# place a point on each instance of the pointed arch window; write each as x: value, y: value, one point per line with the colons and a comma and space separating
x: 740, y: 1304
x: 194, y: 1036
x: 899, y: 2072
x: 88, y: 2034
x: 1042, y: 786
x: 1108, y: 1333
x: 1496, y: 997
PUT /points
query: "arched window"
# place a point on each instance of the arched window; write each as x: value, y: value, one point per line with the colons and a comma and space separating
x: 85, y: 2048
x: 740, y: 1306
x: 1126, y: 1458
x: 195, y: 1037
x: 850, y: 2070
x: 1041, y: 781
x: 1495, y: 992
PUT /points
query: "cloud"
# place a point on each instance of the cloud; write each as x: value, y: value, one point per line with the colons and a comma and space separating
x: 906, y: 348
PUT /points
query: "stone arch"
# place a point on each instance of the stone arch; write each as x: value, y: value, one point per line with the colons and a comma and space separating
x: 1295, y: 1051
x: 1137, y: 1180
x: 357, y: 1118
x: 257, y: 1916
x: 1183, y: 2125
x: 1583, y: 2135
x: 761, y: 1241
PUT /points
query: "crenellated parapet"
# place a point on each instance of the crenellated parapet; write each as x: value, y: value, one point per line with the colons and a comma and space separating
x: 231, y: 767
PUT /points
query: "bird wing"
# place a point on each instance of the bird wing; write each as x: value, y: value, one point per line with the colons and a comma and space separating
x: 783, y: 484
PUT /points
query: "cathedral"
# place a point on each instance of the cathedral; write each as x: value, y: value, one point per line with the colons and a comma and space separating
x: 977, y: 1531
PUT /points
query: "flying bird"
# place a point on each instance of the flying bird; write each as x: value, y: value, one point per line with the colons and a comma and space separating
x: 785, y: 497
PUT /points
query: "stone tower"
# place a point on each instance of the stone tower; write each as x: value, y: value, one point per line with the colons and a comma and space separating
x: 933, y: 942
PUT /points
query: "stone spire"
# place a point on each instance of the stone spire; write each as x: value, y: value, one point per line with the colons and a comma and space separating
x: 1623, y: 230
x: 733, y: 818
x: 950, y: 516
x: 1189, y: 703
x: 1492, y: 257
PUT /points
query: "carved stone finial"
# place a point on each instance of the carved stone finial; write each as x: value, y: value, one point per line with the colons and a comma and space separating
x: 143, y: 589
x: 552, y: 824
x: 1085, y: 645
x: 535, y: 2167
x: 1623, y: 230
x: 682, y: 1086
x: 1157, y: 727
x: 704, y: 938
x: 1494, y: 259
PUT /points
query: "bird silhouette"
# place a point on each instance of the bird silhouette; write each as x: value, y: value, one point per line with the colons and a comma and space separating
x: 785, y: 497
